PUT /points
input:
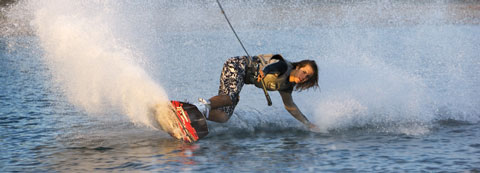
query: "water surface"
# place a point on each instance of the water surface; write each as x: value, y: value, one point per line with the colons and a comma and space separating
x: 398, y: 86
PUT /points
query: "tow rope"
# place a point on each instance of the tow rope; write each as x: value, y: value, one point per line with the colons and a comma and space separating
x: 269, y: 101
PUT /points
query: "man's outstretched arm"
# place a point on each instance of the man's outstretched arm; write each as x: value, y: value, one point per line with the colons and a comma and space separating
x: 292, y: 108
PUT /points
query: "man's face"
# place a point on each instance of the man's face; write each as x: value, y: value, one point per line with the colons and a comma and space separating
x: 301, y: 74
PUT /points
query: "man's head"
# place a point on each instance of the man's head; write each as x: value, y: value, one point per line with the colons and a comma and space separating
x: 304, y: 74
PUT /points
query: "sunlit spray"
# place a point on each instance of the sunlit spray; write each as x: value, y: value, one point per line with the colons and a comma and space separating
x: 381, y: 65
x: 98, y: 72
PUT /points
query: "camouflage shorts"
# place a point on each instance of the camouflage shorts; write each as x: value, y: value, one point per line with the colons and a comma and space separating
x: 232, y: 81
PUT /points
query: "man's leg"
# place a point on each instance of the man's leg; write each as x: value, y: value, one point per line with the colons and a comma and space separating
x: 231, y: 83
x: 218, y: 115
x: 220, y: 101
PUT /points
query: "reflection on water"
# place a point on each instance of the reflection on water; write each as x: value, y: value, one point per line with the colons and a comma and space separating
x: 131, y: 149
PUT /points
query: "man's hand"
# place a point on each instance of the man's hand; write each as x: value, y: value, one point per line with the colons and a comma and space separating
x: 260, y: 75
x: 314, y: 128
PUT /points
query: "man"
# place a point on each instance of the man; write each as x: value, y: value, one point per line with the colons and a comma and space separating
x: 277, y: 73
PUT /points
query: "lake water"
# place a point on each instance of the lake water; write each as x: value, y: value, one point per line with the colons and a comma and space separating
x: 398, y: 86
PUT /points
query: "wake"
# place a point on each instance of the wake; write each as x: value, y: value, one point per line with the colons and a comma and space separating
x: 97, y: 71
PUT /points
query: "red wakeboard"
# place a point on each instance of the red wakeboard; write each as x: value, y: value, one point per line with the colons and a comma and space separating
x: 191, y: 121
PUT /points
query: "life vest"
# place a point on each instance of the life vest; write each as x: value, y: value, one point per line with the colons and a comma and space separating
x: 273, y: 82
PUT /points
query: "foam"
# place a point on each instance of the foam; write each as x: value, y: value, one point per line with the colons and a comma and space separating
x: 98, y: 72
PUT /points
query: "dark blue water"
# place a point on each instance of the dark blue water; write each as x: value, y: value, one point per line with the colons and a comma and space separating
x: 398, y: 94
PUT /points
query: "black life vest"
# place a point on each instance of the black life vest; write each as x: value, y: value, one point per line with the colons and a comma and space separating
x: 273, y: 82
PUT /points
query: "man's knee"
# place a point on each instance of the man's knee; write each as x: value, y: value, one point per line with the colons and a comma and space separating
x: 218, y: 116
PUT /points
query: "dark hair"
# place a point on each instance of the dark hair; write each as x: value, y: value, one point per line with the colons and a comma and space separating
x: 313, y: 80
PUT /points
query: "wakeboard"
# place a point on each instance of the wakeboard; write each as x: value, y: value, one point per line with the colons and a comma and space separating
x: 190, y: 122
